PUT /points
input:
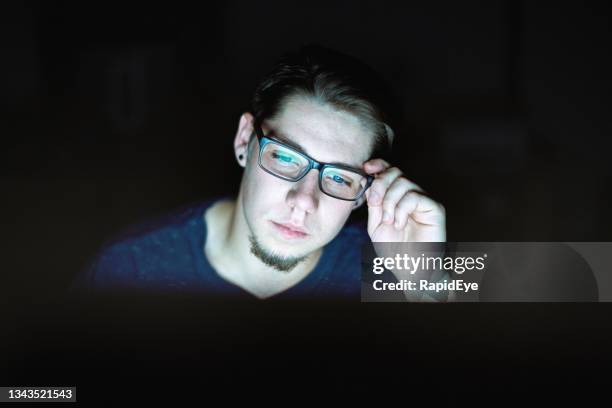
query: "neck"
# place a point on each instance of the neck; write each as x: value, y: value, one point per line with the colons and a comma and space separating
x: 231, y: 256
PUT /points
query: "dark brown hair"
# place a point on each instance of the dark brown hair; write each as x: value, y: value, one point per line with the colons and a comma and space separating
x: 333, y: 78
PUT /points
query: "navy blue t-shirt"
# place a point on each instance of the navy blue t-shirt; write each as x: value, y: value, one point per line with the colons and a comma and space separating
x: 166, y: 254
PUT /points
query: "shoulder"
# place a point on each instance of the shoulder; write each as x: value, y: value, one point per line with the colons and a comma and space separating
x: 155, y: 233
x: 350, y: 242
x: 354, y: 234
x: 147, y: 251
x: 343, y: 261
x: 159, y: 224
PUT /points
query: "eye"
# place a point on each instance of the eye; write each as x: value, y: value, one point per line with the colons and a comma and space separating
x: 284, y: 158
x: 339, y: 180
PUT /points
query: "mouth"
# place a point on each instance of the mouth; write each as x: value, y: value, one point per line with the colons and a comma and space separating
x: 289, y: 231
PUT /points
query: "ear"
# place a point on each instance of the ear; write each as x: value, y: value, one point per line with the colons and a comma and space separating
x: 242, y: 138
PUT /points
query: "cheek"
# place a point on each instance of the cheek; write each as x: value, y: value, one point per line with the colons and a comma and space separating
x: 262, y: 189
x: 334, y: 213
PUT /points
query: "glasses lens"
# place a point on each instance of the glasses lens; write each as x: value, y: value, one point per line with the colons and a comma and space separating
x: 343, y: 183
x: 282, y: 161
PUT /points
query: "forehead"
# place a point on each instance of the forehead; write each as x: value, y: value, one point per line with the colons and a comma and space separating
x: 324, y: 133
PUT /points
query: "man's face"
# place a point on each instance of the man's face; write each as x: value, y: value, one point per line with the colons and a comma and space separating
x: 275, y: 209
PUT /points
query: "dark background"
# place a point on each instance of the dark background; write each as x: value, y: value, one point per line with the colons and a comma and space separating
x: 120, y: 111
x: 114, y: 112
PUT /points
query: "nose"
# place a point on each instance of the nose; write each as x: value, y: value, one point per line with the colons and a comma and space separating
x: 304, y: 195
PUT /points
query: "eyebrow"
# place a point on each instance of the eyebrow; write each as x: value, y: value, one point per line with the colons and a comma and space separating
x: 278, y: 135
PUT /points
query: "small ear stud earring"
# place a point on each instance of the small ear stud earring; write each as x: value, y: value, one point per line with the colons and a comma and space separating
x: 240, y: 156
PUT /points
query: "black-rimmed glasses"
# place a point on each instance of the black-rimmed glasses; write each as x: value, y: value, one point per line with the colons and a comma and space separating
x: 288, y: 163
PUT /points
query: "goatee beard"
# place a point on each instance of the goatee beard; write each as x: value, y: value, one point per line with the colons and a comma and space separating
x: 280, y: 263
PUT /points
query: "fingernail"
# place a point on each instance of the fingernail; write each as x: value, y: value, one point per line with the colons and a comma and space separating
x: 386, y: 217
x: 397, y: 224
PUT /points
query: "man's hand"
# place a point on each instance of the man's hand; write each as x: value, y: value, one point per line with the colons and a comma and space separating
x: 399, y: 210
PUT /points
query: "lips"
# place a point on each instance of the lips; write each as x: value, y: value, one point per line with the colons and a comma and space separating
x: 290, y: 230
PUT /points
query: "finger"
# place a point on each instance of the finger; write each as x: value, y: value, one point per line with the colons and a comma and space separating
x: 380, y: 185
x: 421, y: 208
x: 405, y: 207
x: 429, y: 212
x: 375, y: 166
x: 374, y: 217
x: 394, y: 193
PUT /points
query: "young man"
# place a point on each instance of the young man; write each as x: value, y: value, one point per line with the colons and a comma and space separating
x: 310, y: 151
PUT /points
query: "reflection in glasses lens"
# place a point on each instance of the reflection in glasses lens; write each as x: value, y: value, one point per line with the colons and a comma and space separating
x: 283, y: 162
x: 342, y: 183
x: 289, y: 164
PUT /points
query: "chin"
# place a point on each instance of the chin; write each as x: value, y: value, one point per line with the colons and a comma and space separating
x: 285, y: 248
